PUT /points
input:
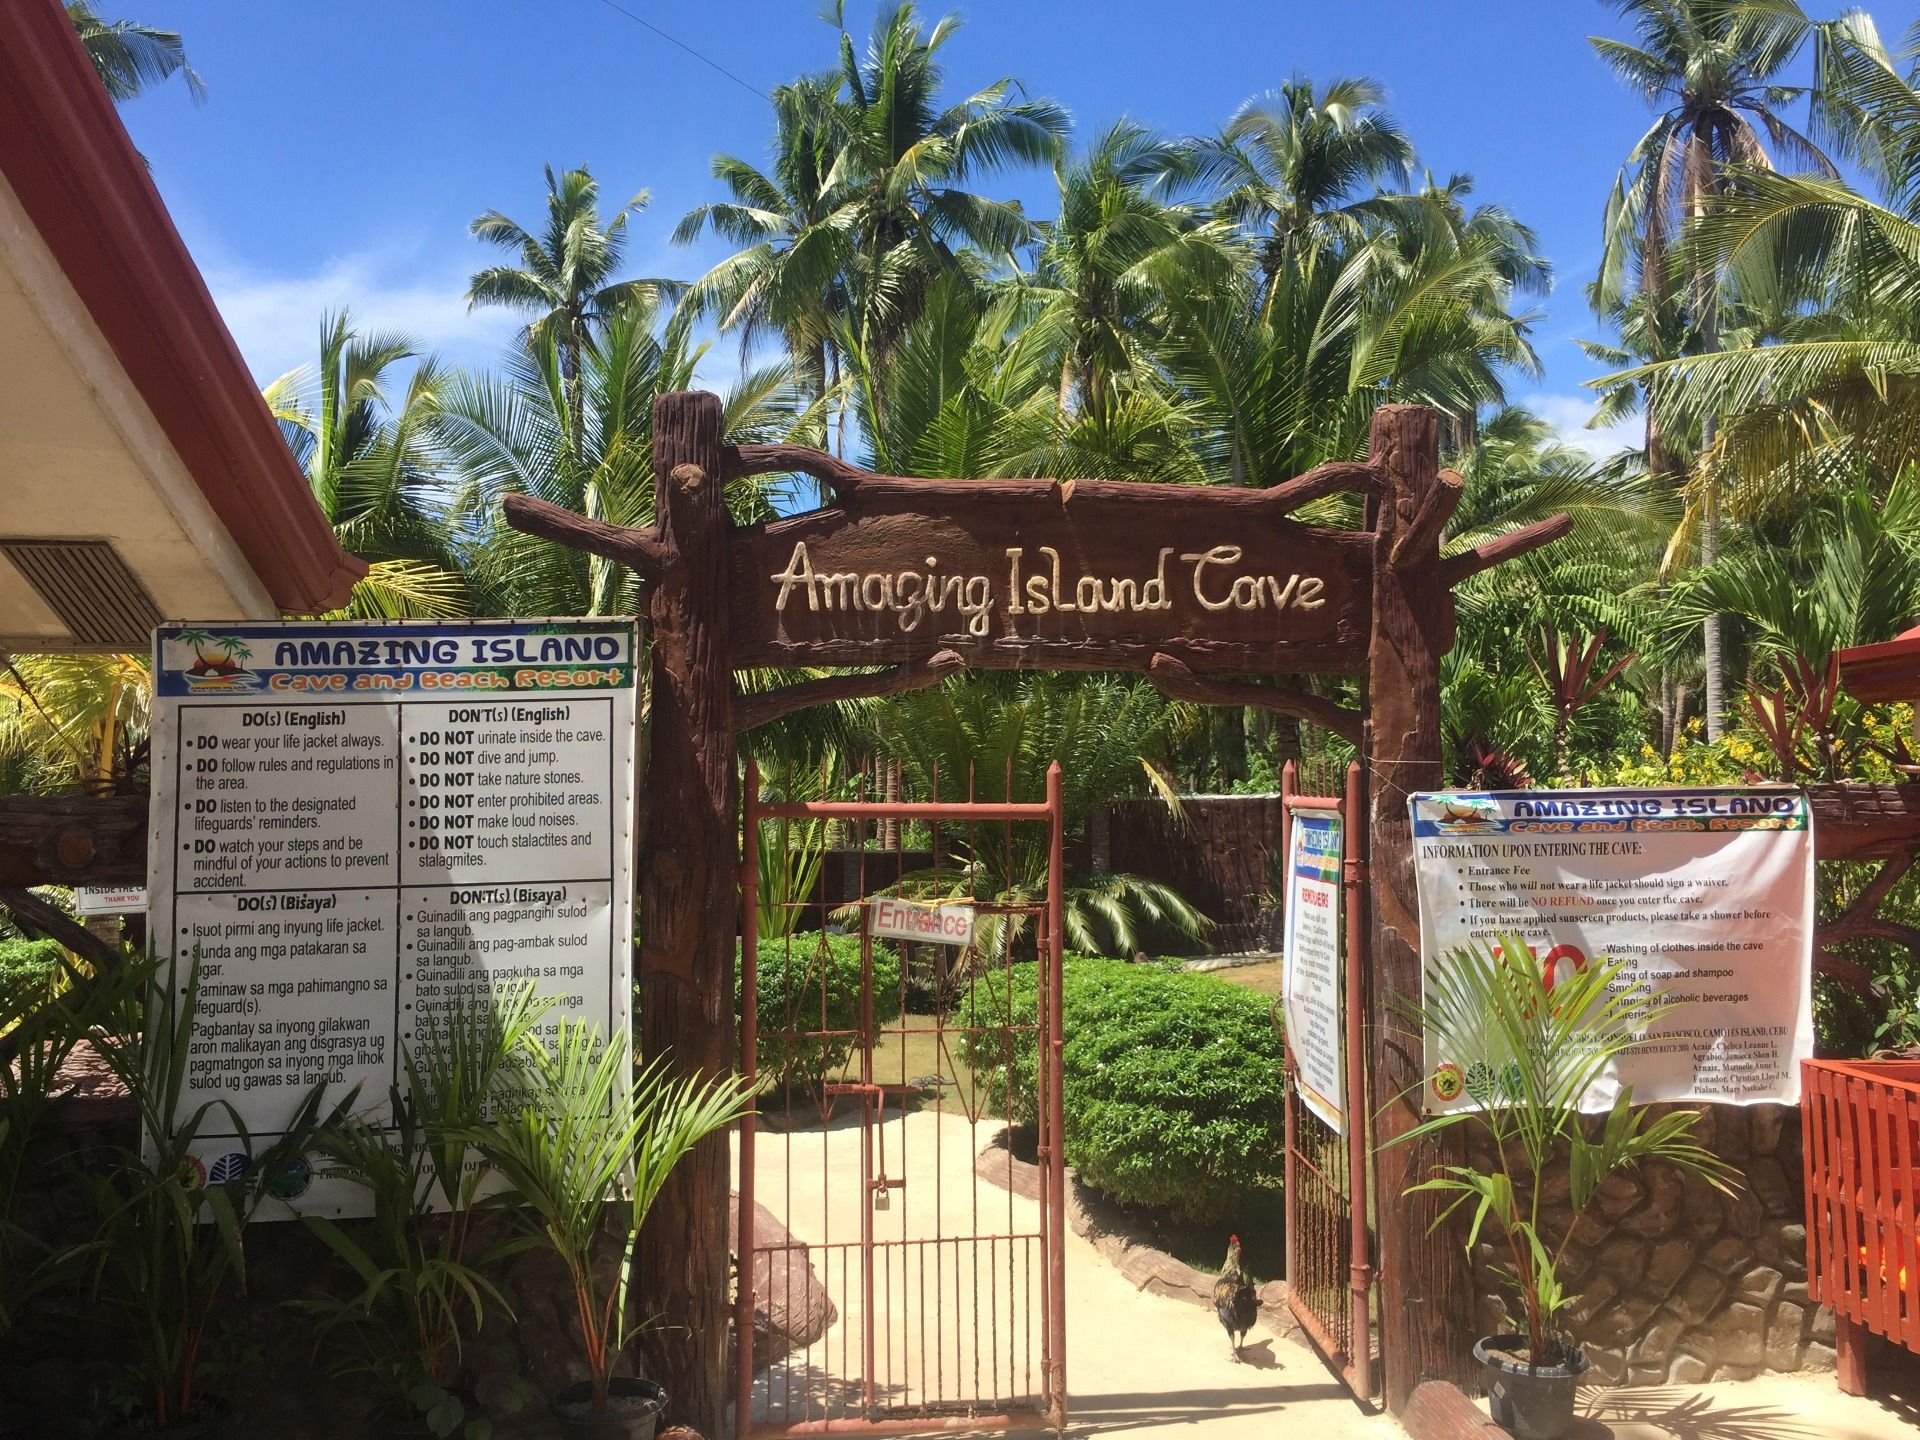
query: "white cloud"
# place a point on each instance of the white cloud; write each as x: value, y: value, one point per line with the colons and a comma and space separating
x: 1568, y: 415
x: 276, y: 317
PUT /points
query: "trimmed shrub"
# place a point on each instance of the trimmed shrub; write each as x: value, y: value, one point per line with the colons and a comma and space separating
x: 27, y: 967
x: 811, y: 983
x: 1173, y: 1082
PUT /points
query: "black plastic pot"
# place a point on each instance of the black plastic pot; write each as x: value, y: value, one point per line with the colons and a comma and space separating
x: 209, y: 1423
x: 1529, y: 1402
x: 633, y: 1410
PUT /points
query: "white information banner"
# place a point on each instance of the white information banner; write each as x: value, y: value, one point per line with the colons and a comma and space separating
x: 895, y: 919
x: 1707, y: 895
x: 356, y: 826
x: 1311, y: 962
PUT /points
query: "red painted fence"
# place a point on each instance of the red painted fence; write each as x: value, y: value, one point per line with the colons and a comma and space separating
x: 1862, y: 1132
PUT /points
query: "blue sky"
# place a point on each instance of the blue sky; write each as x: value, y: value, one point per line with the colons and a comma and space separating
x: 345, y: 147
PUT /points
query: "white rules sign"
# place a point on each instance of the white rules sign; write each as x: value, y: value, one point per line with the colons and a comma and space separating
x: 356, y: 828
x: 1312, y: 962
x: 1706, y: 895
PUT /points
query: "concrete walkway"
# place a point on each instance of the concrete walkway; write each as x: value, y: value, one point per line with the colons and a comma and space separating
x: 960, y: 1322
x: 1135, y: 1362
x: 1774, y: 1407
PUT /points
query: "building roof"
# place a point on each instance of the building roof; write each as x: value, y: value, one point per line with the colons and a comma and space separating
x: 142, y: 476
x: 1887, y: 671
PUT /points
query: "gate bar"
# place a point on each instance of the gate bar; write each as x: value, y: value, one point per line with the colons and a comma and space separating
x: 749, y: 1072
x: 903, y: 810
x: 1353, y: 840
x: 1055, y: 809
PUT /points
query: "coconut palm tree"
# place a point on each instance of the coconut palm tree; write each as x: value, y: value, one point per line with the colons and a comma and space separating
x: 1105, y: 265
x: 373, y: 465
x: 1833, y: 383
x: 130, y: 57
x: 522, y: 431
x: 73, y: 721
x: 789, y: 278
x: 905, y: 158
x: 1290, y: 165
x: 564, y: 279
x: 1711, y: 71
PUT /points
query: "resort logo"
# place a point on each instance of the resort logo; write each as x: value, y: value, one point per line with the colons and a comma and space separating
x: 1459, y: 814
x: 216, y: 667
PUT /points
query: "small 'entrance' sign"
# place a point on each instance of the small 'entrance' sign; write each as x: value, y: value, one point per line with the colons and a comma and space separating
x: 893, y: 919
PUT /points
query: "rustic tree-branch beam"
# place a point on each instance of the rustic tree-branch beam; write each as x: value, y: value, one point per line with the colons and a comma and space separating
x: 73, y: 840
x: 1513, y: 544
x: 1422, y: 536
x: 836, y: 474
x: 750, y: 711
x: 42, y: 917
x: 1337, y: 477
x: 1172, y: 678
x: 641, y: 550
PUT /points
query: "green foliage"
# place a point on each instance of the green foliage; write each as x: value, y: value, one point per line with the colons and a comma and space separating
x: 1548, y: 1049
x: 27, y: 969
x: 46, y: 1009
x: 167, y: 1247
x: 423, y: 1288
x: 1172, y: 1081
x: 813, y: 983
x: 997, y: 737
x: 592, y: 1123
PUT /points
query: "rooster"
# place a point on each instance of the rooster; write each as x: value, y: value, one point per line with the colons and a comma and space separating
x: 1234, y: 1299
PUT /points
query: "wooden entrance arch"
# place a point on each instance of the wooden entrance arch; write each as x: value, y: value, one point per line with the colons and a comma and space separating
x: 1190, y: 584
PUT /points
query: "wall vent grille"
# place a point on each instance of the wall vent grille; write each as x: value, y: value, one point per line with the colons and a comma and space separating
x: 86, y: 583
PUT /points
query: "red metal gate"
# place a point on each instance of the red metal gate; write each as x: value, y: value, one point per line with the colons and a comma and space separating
x: 1330, y: 1273
x: 920, y: 1281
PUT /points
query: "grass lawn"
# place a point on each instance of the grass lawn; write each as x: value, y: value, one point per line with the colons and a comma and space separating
x: 1264, y: 977
x: 910, y: 1051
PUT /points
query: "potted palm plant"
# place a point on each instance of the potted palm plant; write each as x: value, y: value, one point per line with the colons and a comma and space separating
x: 592, y: 1131
x: 425, y: 1279
x: 1527, y: 1054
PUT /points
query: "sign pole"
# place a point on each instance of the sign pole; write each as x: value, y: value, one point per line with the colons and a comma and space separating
x: 1426, y: 1287
x: 689, y: 851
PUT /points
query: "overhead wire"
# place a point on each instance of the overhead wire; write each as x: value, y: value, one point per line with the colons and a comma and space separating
x: 706, y: 60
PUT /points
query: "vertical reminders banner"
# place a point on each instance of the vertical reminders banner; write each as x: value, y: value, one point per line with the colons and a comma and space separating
x: 1312, y: 962
x: 361, y: 830
x: 1707, y: 895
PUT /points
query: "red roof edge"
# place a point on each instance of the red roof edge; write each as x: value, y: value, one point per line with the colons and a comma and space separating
x: 70, y: 160
x: 1889, y: 670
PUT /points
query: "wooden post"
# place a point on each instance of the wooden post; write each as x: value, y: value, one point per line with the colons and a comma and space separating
x: 1426, y: 1291
x: 689, y: 855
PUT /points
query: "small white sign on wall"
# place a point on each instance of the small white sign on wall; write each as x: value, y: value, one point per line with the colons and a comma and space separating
x: 109, y: 900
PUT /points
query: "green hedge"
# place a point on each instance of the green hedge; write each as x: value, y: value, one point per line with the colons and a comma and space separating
x: 795, y: 978
x: 26, y: 967
x: 1173, y: 1083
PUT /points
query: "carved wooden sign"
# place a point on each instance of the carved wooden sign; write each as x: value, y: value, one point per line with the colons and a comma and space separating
x: 1076, y: 575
